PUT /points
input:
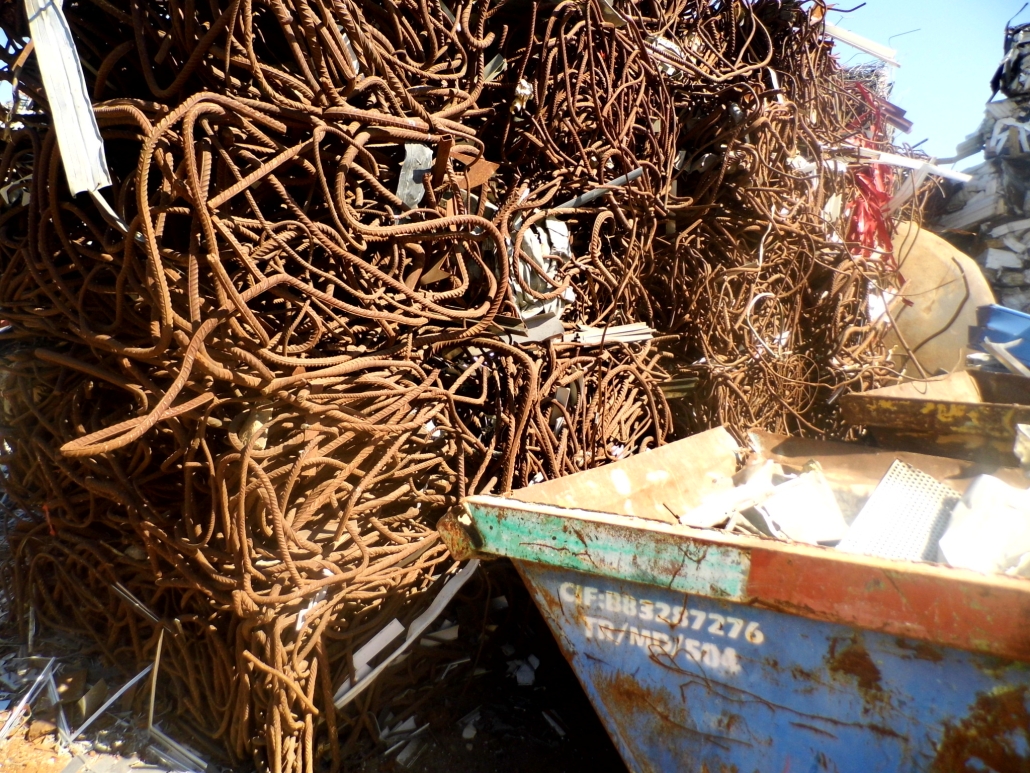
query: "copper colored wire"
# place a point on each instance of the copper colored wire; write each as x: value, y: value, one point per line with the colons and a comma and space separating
x: 251, y: 406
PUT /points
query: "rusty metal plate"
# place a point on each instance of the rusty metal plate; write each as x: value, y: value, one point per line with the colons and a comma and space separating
x: 685, y: 682
x: 960, y: 404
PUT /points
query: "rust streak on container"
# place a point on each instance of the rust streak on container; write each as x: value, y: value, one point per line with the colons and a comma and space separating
x: 996, y: 734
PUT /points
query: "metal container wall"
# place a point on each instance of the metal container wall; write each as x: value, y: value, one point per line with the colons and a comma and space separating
x: 708, y: 651
x: 685, y: 682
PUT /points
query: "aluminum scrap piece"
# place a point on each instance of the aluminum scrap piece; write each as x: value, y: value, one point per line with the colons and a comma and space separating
x: 905, y: 517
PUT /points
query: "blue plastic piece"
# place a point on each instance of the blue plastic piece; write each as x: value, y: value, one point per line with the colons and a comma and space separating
x: 1002, y: 325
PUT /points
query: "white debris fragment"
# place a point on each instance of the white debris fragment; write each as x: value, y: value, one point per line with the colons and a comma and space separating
x: 670, y: 50
x: 525, y: 675
x: 552, y: 719
x: 78, y: 136
x: 524, y: 670
x: 523, y: 93
x: 548, y: 248
x: 997, y: 259
x: 880, y: 51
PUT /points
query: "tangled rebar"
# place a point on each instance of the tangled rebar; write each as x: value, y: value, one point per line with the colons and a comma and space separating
x: 362, y: 259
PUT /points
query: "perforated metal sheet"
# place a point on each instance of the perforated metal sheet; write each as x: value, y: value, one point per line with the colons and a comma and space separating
x: 905, y: 517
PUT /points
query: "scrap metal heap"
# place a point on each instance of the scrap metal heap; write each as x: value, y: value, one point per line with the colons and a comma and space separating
x: 363, y: 259
x: 994, y: 206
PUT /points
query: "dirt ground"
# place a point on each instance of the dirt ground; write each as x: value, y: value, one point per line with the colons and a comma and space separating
x: 21, y: 756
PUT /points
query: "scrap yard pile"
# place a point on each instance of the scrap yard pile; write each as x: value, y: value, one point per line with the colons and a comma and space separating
x: 994, y: 205
x: 359, y: 259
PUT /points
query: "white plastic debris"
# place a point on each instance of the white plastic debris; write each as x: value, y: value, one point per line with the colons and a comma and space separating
x: 352, y: 55
x: 909, y: 188
x: 63, y: 732
x: 1013, y: 76
x: 998, y: 259
x: 411, y: 752
x: 990, y: 529
x: 418, y: 162
x: 494, y: 67
x: 178, y: 756
x: 717, y: 507
x: 1010, y: 228
x: 447, y: 632
x: 110, y: 701
x: 27, y: 699
x: 367, y: 652
x: 667, y: 48
x: 1000, y: 352
x: 634, y: 332
x: 554, y: 721
x: 78, y: 136
x: 893, y: 159
x: 402, y: 728
x: 451, y: 666
x: 317, y: 599
x: 524, y: 671
x: 1021, y: 447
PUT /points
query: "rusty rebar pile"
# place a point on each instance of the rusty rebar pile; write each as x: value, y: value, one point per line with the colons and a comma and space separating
x: 249, y: 396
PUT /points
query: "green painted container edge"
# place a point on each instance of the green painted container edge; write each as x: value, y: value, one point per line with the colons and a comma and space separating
x: 510, y: 529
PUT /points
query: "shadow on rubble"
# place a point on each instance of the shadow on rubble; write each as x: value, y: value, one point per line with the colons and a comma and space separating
x: 515, y: 706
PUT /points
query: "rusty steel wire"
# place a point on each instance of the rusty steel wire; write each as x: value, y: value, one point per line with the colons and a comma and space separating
x: 248, y: 395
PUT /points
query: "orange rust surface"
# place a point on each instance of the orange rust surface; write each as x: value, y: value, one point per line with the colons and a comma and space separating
x: 996, y: 734
x: 852, y: 659
x: 936, y: 608
x: 936, y: 417
x: 456, y: 537
x: 625, y: 698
